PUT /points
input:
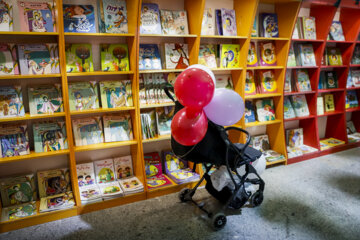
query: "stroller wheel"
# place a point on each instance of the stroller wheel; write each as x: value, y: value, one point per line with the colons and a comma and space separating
x: 218, y: 221
x: 256, y: 199
x: 183, y: 195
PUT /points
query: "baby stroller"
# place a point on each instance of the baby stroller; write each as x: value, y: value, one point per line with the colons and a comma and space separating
x: 215, y: 150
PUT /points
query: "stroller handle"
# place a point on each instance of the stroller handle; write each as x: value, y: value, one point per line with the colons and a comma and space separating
x: 248, y: 138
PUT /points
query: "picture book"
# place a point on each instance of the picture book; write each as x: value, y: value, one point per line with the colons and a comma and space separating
x: 57, y: 202
x: 142, y: 91
x: 252, y: 59
x: 261, y: 142
x: 350, y: 127
x: 131, y: 185
x: 320, y: 105
x: 167, y: 22
x: 329, y: 102
x: 180, y: 22
x: 157, y: 182
x: 11, y: 101
x: 250, y: 86
x: 288, y: 77
x: 163, y: 119
x: 150, y: 19
x: 267, y: 81
x: 110, y: 190
x: 18, y: 211
x: 224, y: 81
x: 356, y: 55
x: 83, y: 96
x: 218, y: 19
x: 14, y: 140
x: 104, y: 171
x: 176, y: 56
x: 36, y: 16
x: 294, y: 137
x: 267, y: 54
x: 272, y: 156
x: 53, y: 182
x: 50, y: 136
x: 6, y: 16
x: 85, y: 174
x: 90, y: 194
x: 45, y: 99
x: 18, y: 190
x: 291, y: 61
x: 297, y: 31
x: 254, y: 30
x: 230, y: 55
x: 88, y: 131
x: 115, y: 94
x: 265, y: 110
x: 79, y: 58
x: 123, y: 167
x: 288, y: 109
x: 249, y: 112
x: 8, y: 59
x: 355, y: 74
x: 269, y: 25
x: 329, y: 143
x: 302, y: 80
x: 307, y: 56
x: 54, y: 57
x: 334, y: 56
x: 331, y: 79
x: 149, y: 89
x: 153, y: 166
x: 336, y: 31
x: 300, y: 106
x: 35, y: 59
x: 207, y: 55
x: 149, y: 57
x: 79, y: 18
x: 118, y: 128
x: 114, y: 57
x: 112, y: 16
x: 148, y: 124
x: 309, y: 27
x: 322, y: 80
x: 349, y: 82
x: 228, y: 22
x: 208, y: 22
x: 351, y: 99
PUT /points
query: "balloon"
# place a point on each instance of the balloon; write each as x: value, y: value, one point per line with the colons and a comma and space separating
x: 206, y: 69
x: 226, y: 108
x: 188, y: 127
x: 194, y: 88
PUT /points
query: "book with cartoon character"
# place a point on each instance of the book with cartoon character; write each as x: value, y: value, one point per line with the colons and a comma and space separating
x: 356, y: 55
x: 249, y: 112
x: 118, y: 128
x: 288, y: 109
x: 207, y: 55
x: 90, y: 194
x: 302, y: 80
x: 11, y: 102
x: 334, y: 56
x: 180, y: 22
x: 329, y: 102
x: 331, y: 79
x: 114, y: 57
x: 112, y: 16
x: 250, y: 86
x: 148, y: 124
x: 18, y: 211
x: 14, y: 140
x: 154, y: 172
x: 50, y: 136
x: 83, y: 96
x: 267, y: 81
x: 167, y: 22
x: 150, y: 19
x: 131, y: 185
x: 104, y: 171
x: 149, y: 57
x: 336, y: 31
x: 330, y: 142
x: 57, y: 202
x: 79, y: 58
x: 261, y: 142
x: 45, y: 99
x: 36, y: 16
x: 35, y: 59
x: 208, y: 22
x: 88, y: 131
x: 8, y: 59
x: 269, y: 25
x: 300, y: 105
x: 355, y: 76
x: 309, y: 27
x: 288, y: 77
x: 351, y: 99
x: 176, y: 56
x: 53, y: 182
x: 265, y: 110
x: 291, y: 61
x: 252, y: 59
x: 115, y: 94
x: 85, y: 174
x: 163, y: 119
x: 230, y: 56
x: 79, y: 18
x: 307, y: 56
x: 6, y: 16
x: 254, y: 29
x: 267, y: 54
x: 228, y: 21
x: 110, y: 190
x: 224, y: 81
x: 123, y: 167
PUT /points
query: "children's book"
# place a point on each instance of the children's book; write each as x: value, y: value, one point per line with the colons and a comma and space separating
x: 336, y: 31
x: 296, y: 33
x: 8, y: 59
x: 288, y: 109
x: 18, y: 211
x: 149, y: 57
x: 355, y: 74
x: 288, y: 76
x: 142, y: 91
x: 322, y: 80
x: 123, y: 167
x: 88, y: 131
x: 45, y: 99
x: 85, y: 174
x: 180, y: 22
x: 265, y: 110
x: 219, y: 30
x: 294, y: 137
x: 291, y: 61
x: 112, y: 16
x: 228, y: 22
x: 302, y: 80
x: 163, y: 119
x: 329, y: 143
x: 356, y: 55
x: 110, y: 190
x: 267, y: 54
x: 300, y: 105
x: 254, y: 30
x: 167, y: 22
x: 334, y: 56
x: 18, y: 190
x: 131, y: 185
x: 79, y: 58
x: 6, y: 19
x: 309, y: 27
x: 267, y: 81
x: 331, y: 79
x: 150, y: 19
x: 53, y: 182
x: 35, y: 59
x: 307, y: 56
x: 269, y: 25
x: 104, y: 171
x: 272, y: 156
x: 249, y: 112
x: 250, y: 86
x: 36, y: 16
x: 176, y: 56
x: 118, y: 128
x: 157, y: 182
x: 114, y: 57
x: 14, y: 140
x: 320, y: 105
x: 57, y: 202
x: 90, y: 194
x: 11, y: 102
x: 83, y: 96
x: 208, y: 22
x: 252, y: 59
x: 224, y: 81
x: 153, y: 166
x: 79, y: 18
x: 261, y: 142
x: 350, y: 127
x: 115, y: 94
x: 230, y: 55
x: 351, y: 99
x: 329, y: 102
x: 50, y: 136
x: 148, y: 124
x: 207, y: 55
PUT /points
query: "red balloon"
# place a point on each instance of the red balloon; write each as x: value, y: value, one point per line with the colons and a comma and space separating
x: 188, y: 127
x: 194, y: 88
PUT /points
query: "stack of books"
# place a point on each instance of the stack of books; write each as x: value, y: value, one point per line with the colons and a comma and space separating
x: 264, y: 110
x: 295, y: 143
x: 219, y: 22
x: 261, y: 143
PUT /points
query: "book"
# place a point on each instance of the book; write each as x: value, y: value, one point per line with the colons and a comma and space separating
x: 351, y: 99
x: 118, y: 128
x: 261, y: 142
x: 207, y: 55
x: 149, y: 57
x: 35, y: 59
x: 79, y: 18
x: 123, y: 167
x: 112, y: 15
x: 267, y: 81
x: 297, y: 31
x: 300, y: 106
x: 150, y: 19
x: 252, y: 59
x: 307, y: 56
x: 163, y: 119
x: 356, y: 55
x: 322, y: 80
x: 350, y: 127
x: 269, y: 25
x: 218, y: 18
x: 87, y: 131
x: 53, y: 182
x: 180, y: 22
x: 336, y: 31
x: 131, y: 185
x: 83, y: 96
x: 6, y: 20
x: 224, y: 81
x: 167, y: 22
x: 14, y: 140
x: 11, y: 101
x: 302, y: 80
x: 329, y: 143
x: 309, y: 27
x: 50, y: 136
x: 320, y: 105
x: 288, y: 82
x: 176, y: 56
x: 90, y: 194
x: 8, y: 59
x: 79, y: 58
x: 57, y: 202
x: 331, y: 79
x: 288, y: 109
x: 18, y: 211
x: 36, y: 16
x: 291, y: 61
x: 104, y: 171
x: 45, y: 99
x: 114, y: 57
x: 355, y: 74
x: 329, y: 103
x: 265, y: 110
x: 267, y: 54
x: 272, y: 156
x: 249, y: 112
x: 334, y: 56
x: 254, y: 29
x: 228, y: 22
x: 153, y: 171
x: 148, y: 124
x: 85, y: 174
x: 294, y: 137
x: 110, y: 190
x: 230, y: 56
x: 157, y: 182
x: 208, y: 22
x: 115, y: 94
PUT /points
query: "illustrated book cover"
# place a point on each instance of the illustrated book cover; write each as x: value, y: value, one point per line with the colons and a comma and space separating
x: 36, y: 16
x: 228, y: 22
x: 118, y: 128
x: 14, y: 140
x: 302, y: 80
x: 35, y: 59
x: 79, y: 58
x: 104, y: 171
x: 208, y: 22
x: 11, y: 101
x: 249, y: 112
x: 83, y: 96
x: 267, y: 54
x: 18, y: 211
x: 149, y: 57
x: 53, y: 182
x: 88, y: 131
x: 252, y: 59
x: 79, y: 18
x: 176, y: 56
x: 329, y: 102
x: 207, y: 55
x: 164, y: 116
x: 250, y: 86
x: 267, y: 81
x: 123, y: 167
x: 230, y: 55
x: 265, y: 110
x: 300, y: 106
x: 336, y: 31
x: 288, y: 109
x: 115, y: 94
x: 309, y: 27
x: 114, y: 57
x: 150, y: 19
x: 18, y: 190
x: 50, y: 136
x: 112, y: 16
x: 224, y: 81
x: 45, y: 99
x: 6, y: 16
x: 85, y: 174
x: 269, y: 25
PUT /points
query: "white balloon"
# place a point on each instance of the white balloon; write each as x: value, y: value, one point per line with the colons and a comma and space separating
x: 206, y: 69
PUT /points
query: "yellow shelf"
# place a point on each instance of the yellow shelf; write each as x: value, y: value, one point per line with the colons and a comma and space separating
x: 31, y: 33
x: 223, y: 37
x: 169, y: 35
x: 30, y: 117
x: 225, y: 69
x: 156, y: 105
x: 157, y: 139
x: 270, y: 39
x: 33, y: 155
x: 161, y: 71
x: 254, y: 124
x: 101, y: 110
x: 99, y: 146
x: 97, y: 73
x: 262, y: 95
x: 101, y: 34
x: 29, y: 76
x: 275, y: 162
x: 264, y: 67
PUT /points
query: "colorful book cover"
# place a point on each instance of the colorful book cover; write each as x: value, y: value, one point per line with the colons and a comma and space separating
x: 269, y: 25
x: 294, y: 137
x: 224, y: 81
x: 131, y: 185
x: 207, y: 55
x: 272, y: 156
x: 85, y: 174
x: 350, y: 127
x: 18, y: 190
x: 208, y: 22
x: 167, y: 22
x: 36, y: 16
x: 331, y: 79
x: 288, y: 109
x: 90, y: 194
x: 249, y: 112
x: 54, y: 56
x: 176, y: 56
x: 115, y: 94
x: 307, y: 56
x: 230, y: 56
x: 149, y: 57
x: 118, y: 128
x: 35, y: 59
x: 148, y: 124
x: 45, y: 99
x: 142, y: 92
x: 53, y: 182
x: 112, y: 16
x: 267, y: 81
x: 11, y: 102
x: 110, y: 190
x: 336, y: 31
x: 309, y: 27
x: 8, y: 63
x: 302, y: 80
x: 153, y: 166
x: 79, y: 58
x: 295, y: 34
x: 291, y: 61
x: 288, y: 76
x: 104, y: 171
x: 228, y: 22
x: 219, y: 30
x: 356, y: 55
x: 114, y: 57
x: 334, y: 56
x: 265, y: 110
x: 330, y: 142
x: 355, y: 75
x: 180, y: 22
x: 83, y: 96
x: 320, y: 105
x: 150, y: 19
x: 79, y: 18
x: 300, y: 105
x: 322, y: 80
x: 157, y: 182
x: 18, y: 211
x: 252, y: 59
x: 267, y: 54
x: 14, y: 140
x: 88, y: 131
x: 254, y: 30
x: 250, y: 86
x: 163, y: 119
x: 57, y: 202
x: 261, y: 142
x: 351, y: 99
x: 123, y: 167
x: 6, y: 16
x: 50, y: 136
x: 329, y: 102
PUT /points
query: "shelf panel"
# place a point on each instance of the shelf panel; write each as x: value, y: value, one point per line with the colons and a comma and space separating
x: 264, y: 67
x: 307, y: 40
x: 269, y: 39
x: 156, y: 105
x: 225, y: 69
x: 100, y: 34
x: 331, y: 90
x: 352, y: 88
x: 254, y: 124
x: 30, y: 76
x: 161, y: 71
x: 101, y: 110
x: 99, y: 146
x: 223, y: 37
x: 169, y: 35
x: 97, y: 73
x: 333, y: 66
x: 331, y: 113
x: 303, y: 67
x: 262, y: 95
x: 31, y: 33
x: 354, y: 65
x: 275, y: 162
x: 353, y: 109
x: 33, y: 155
x: 157, y: 139
x: 299, y: 118
x: 343, y: 42
x: 303, y: 157
x: 31, y: 117
x: 298, y: 93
